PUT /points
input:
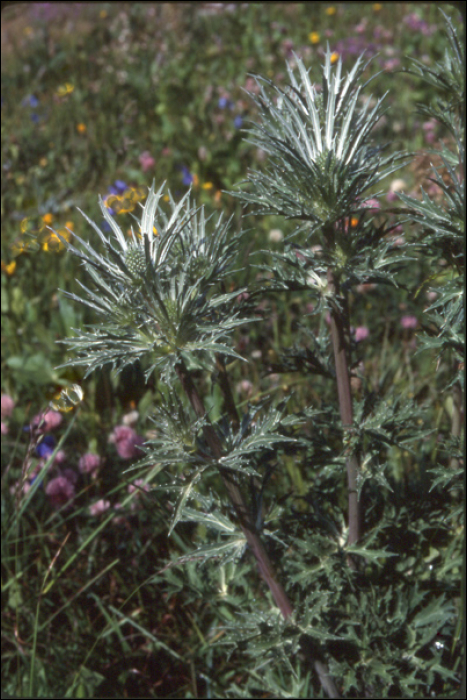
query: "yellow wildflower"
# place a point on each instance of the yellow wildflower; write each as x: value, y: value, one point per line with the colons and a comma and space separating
x: 18, y: 246
x: 81, y: 128
x: 334, y: 57
x: 65, y: 89
x: 10, y: 268
x: 330, y: 11
x: 47, y: 218
x: 53, y: 244
x: 33, y: 225
x: 377, y: 6
x: 314, y: 37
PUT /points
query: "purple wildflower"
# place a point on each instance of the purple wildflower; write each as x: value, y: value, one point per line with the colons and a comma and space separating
x: 146, y: 161
x: 47, y: 420
x: 60, y: 491
x: 7, y: 406
x: 89, y: 463
x: 361, y: 333
x: 127, y: 442
x: 409, y: 322
x: 99, y: 507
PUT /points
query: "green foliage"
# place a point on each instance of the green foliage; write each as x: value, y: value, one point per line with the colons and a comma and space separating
x: 443, y: 224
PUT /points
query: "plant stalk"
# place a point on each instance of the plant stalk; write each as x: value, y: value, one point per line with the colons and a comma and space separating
x: 339, y: 326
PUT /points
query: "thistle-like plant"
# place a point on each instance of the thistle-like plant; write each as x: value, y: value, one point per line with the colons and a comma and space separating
x: 161, y: 301
x: 156, y: 290
x: 344, y: 610
x: 322, y: 168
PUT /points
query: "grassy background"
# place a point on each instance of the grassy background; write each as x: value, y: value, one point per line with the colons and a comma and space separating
x: 94, y: 93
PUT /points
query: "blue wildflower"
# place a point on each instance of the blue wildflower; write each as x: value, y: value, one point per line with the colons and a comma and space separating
x: 187, y: 177
x: 46, y: 446
x: 238, y: 121
x: 31, y: 100
x: 118, y: 187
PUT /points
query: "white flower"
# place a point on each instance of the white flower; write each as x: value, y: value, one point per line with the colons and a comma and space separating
x: 275, y: 235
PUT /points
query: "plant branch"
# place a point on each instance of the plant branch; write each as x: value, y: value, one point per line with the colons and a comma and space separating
x: 264, y: 563
x: 224, y: 384
x: 235, y: 495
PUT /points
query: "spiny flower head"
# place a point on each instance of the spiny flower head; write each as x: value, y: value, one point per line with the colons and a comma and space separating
x: 157, y: 290
x: 321, y: 161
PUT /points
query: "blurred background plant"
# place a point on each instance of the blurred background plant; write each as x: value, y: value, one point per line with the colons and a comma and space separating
x: 103, y: 97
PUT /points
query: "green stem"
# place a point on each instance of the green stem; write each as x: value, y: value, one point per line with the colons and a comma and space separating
x: 339, y: 334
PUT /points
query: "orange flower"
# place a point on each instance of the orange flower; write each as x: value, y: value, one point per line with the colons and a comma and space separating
x: 81, y: 128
